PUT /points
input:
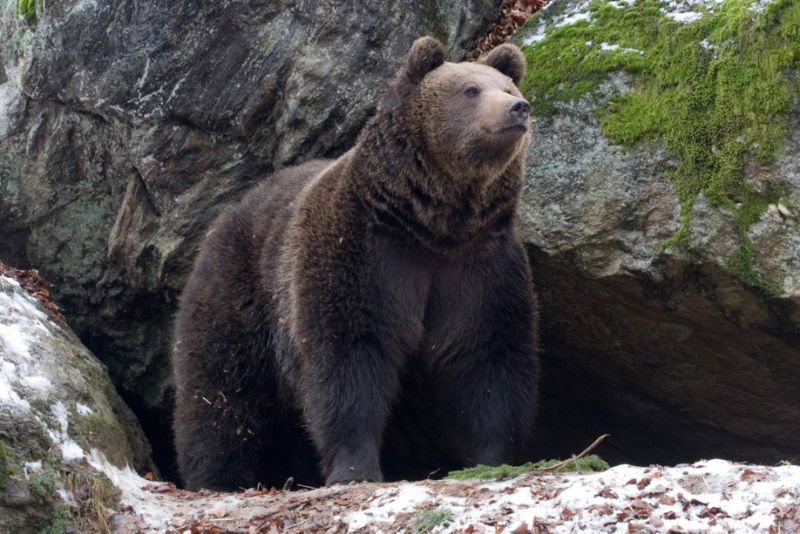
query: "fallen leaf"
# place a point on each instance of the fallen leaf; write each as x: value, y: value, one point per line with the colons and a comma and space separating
x: 218, y: 511
x: 608, y: 493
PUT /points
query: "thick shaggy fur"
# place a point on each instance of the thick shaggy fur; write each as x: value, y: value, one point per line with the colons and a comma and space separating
x: 373, y: 316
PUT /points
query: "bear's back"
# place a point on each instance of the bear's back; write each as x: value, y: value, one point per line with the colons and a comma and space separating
x: 228, y: 296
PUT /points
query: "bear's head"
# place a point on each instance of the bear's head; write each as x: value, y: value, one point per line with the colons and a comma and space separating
x: 471, y: 117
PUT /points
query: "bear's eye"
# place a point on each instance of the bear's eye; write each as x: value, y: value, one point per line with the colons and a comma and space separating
x: 472, y: 91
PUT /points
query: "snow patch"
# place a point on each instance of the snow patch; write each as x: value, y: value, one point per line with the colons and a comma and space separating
x: 82, y: 409
x: 610, y: 47
x: 9, y: 281
x: 9, y: 397
x: 572, y: 19
x: 155, y: 511
x: 687, y: 11
x: 37, y: 382
x: 576, y: 14
x: 22, y: 327
x: 69, y: 449
x: 536, y: 36
x: 14, y: 339
x: 759, y: 6
x: 387, y: 504
x: 34, y: 467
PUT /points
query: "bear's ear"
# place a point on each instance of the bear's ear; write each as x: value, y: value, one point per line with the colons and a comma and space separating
x: 508, y: 59
x: 426, y: 54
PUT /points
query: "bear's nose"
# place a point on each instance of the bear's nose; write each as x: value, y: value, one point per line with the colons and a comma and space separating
x: 519, y: 109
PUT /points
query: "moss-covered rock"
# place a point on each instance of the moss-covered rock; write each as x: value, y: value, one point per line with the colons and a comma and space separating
x: 716, y: 87
x: 57, y: 410
x: 661, y: 205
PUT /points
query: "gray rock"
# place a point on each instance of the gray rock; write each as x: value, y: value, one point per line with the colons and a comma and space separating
x: 713, y: 233
x: 57, y: 407
x: 126, y: 128
x: 777, y: 234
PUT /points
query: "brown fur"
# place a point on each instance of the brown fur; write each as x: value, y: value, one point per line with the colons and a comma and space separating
x: 374, y: 313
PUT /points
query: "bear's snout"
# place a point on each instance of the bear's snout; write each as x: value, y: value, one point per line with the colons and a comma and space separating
x: 519, y: 110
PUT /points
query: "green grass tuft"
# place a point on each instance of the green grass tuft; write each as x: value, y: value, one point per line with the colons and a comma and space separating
x: 27, y: 9
x: 43, y: 485
x: 426, y: 520
x: 591, y: 462
x: 7, y: 461
x: 718, y: 107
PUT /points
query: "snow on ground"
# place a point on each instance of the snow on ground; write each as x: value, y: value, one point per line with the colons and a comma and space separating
x: 710, y: 496
x: 387, y: 503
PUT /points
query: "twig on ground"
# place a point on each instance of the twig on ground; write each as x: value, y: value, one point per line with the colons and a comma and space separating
x: 583, y: 453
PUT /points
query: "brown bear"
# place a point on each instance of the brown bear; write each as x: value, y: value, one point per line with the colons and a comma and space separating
x: 370, y: 317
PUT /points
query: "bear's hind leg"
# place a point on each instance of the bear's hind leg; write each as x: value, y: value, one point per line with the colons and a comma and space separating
x: 218, y: 448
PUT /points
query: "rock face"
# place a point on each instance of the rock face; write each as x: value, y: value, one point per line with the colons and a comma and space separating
x: 57, y: 404
x: 125, y: 129
x: 671, y: 302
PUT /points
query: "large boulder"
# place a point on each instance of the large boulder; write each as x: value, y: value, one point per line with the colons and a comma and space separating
x: 661, y: 207
x: 125, y: 128
x: 57, y: 407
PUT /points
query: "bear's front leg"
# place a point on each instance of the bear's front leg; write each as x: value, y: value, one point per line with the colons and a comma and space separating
x: 486, y: 379
x: 491, y: 404
x: 347, y: 396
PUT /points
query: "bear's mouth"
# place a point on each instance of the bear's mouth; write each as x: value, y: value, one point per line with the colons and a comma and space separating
x: 513, y: 128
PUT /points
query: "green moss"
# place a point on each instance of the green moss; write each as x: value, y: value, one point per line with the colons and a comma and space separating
x: 742, y: 263
x: 94, y: 430
x: 7, y: 463
x: 27, y: 9
x: 426, y: 520
x: 93, y: 494
x: 717, y: 107
x: 43, y: 485
x: 60, y: 521
x: 591, y: 462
